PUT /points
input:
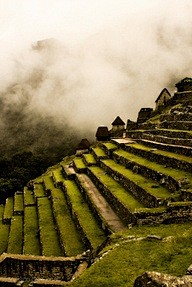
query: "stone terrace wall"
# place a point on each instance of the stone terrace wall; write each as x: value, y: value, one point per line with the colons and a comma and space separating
x: 163, y: 179
x: 161, y: 159
x: 126, y: 215
x: 166, y: 140
x: 146, y: 198
x: 30, y: 267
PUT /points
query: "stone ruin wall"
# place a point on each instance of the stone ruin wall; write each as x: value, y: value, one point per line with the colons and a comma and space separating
x: 37, y: 267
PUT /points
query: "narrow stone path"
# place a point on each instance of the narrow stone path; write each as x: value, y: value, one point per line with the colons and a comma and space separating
x: 106, y: 211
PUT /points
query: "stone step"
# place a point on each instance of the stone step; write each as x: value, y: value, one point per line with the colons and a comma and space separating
x: 176, y: 116
x: 178, y: 134
x: 89, y: 159
x: 79, y: 165
x: 108, y: 219
x: 173, y: 179
x: 98, y: 153
x: 185, y: 150
x: 149, y: 192
x: 167, y: 140
x: 123, y: 202
x: 165, y: 158
x: 178, y: 125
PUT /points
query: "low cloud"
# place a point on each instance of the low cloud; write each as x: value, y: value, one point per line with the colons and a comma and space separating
x: 116, y: 70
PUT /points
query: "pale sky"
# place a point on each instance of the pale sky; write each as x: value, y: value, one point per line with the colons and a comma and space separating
x: 69, y: 20
x: 121, y: 53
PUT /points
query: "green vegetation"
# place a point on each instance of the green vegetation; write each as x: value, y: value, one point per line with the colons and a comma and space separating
x: 58, y: 175
x: 89, y: 158
x: 128, y: 259
x: 168, y: 171
x: 4, y: 232
x: 147, y: 184
x: 28, y: 197
x: 110, y: 146
x: 87, y: 220
x: 99, y: 152
x: 48, y: 182
x: 8, y: 211
x: 120, y: 193
x: 38, y: 190
x: 15, y: 241
x: 161, y: 152
x: 31, y: 237
x: 18, y: 203
x: 69, y: 236
x: 78, y: 162
x: 48, y: 233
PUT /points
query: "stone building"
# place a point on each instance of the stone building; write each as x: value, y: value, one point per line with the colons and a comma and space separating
x: 118, y: 124
x: 162, y: 99
x: 143, y: 115
x: 184, y: 85
x: 131, y: 125
x: 102, y: 134
x: 83, y: 146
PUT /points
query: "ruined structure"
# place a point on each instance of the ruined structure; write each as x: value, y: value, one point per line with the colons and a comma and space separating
x: 184, y: 85
x: 118, y: 126
x: 83, y: 146
x: 162, y: 99
x: 143, y: 115
x: 102, y: 134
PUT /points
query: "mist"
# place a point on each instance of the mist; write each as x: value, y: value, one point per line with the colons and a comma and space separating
x: 65, y: 74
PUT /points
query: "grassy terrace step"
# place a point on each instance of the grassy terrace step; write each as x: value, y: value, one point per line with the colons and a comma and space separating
x: 79, y: 164
x: 167, y: 140
x: 99, y: 153
x: 109, y: 147
x: 29, y: 199
x: 146, y: 190
x: 18, y: 207
x: 162, y: 157
x: 15, y: 241
x: 48, y: 235
x: 31, y: 233
x: 169, y: 176
x: 48, y: 184
x: 8, y: 210
x: 39, y: 190
x: 4, y: 232
x: 69, y: 236
x: 120, y: 199
x: 89, y: 159
x: 57, y: 176
x: 179, y: 134
x: 185, y: 150
x: 94, y: 236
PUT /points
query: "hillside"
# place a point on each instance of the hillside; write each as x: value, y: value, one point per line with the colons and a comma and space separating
x: 121, y: 208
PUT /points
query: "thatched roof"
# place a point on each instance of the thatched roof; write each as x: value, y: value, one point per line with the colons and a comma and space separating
x: 164, y: 91
x: 118, y: 122
x: 84, y: 144
x: 102, y: 132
